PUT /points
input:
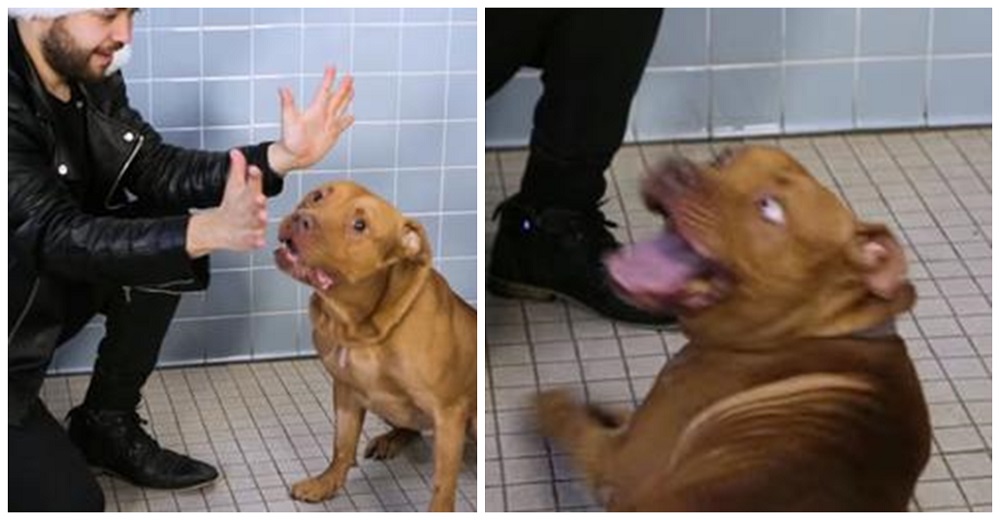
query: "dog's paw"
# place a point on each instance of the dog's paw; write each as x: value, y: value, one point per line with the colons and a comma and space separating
x: 554, y: 408
x: 314, y: 489
x: 389, y: 444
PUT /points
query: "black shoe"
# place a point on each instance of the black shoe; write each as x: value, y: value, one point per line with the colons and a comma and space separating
x: 557, y: 253
x: 115, y: 442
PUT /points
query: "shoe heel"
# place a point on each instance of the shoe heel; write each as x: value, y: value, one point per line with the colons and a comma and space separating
x: 507, y: 289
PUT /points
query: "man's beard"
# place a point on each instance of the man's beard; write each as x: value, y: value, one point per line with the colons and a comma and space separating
x: 69, y: 60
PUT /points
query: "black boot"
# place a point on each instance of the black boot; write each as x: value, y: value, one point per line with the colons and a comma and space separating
x: 557, y: 253
x: 115, y: 442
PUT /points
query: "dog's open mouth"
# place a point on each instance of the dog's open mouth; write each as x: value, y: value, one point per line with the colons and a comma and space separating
x: 288, y: 260
x: 668, y: 274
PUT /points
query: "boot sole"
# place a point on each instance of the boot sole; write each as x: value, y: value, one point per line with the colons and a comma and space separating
x: 515, y: 290
x: 101, y: 470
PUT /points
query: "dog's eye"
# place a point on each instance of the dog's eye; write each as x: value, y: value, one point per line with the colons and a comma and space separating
x: 771, y: 210
x: 360, y: 225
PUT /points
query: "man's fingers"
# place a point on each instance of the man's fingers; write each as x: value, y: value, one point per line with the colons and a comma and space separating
x: 255, y: 179
x: 324, y: 88
x: 337, y: 126
x: 237, y: 170
x: 287, y: 103
x: 338, y: 104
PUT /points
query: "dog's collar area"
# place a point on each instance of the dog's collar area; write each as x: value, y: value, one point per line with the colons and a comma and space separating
x: 882, y: 330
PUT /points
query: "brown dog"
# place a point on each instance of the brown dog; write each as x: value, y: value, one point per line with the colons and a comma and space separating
x: 794, y: 392
x: 393, y: 335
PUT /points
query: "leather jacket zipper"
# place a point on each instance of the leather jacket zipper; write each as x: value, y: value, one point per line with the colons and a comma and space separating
x: 121, y: 173
x: 27, y: 307
x: 156, y: 289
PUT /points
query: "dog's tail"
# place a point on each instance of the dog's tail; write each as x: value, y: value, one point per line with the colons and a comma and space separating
x: 585, y: 431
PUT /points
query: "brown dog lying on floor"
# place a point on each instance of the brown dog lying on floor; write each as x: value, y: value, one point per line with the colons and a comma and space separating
x: 794, y: 392
x: 393, y: 335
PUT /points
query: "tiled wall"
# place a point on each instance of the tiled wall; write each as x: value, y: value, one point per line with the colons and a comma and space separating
x: 208, y: 78
x: 738, y: 72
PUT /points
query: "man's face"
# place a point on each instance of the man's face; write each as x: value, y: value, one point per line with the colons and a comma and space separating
x: 79, y: 47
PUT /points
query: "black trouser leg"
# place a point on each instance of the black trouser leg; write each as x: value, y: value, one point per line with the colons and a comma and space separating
x: 135, y: 328
x: 514, y: 38
x: 592, y: 61
x: 45, y: 471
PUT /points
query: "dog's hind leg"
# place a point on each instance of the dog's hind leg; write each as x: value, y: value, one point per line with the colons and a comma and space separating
x: 389, y: 444
x: 586, y: 432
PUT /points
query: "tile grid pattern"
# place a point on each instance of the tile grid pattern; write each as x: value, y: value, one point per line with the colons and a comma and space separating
x: 208, y: 78
x: 739, y: 72
x: 265, y: 426
x: 933, y: 188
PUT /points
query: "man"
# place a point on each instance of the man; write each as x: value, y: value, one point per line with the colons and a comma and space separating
x: 552, y: 234
x: 99, y: 221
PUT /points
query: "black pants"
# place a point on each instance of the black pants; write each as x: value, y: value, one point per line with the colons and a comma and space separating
x: 135, y: 325
x: 45, y: 471
x: 591, y: 61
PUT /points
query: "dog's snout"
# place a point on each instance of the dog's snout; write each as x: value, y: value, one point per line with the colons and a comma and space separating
x: 682, y: 174
x: 673, y: 178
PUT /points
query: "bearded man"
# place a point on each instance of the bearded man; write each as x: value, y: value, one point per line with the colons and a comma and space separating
x: 99, y: 221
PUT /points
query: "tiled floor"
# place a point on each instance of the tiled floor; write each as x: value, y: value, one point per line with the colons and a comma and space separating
x: 933, y: 187
x: 266, y: 426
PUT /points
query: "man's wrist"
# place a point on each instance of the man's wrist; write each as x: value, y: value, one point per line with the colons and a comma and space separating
x: 280, y: 159
x: 199, y: 234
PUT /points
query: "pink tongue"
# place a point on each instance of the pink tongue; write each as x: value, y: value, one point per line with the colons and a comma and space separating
x: 320, y: 279
x: 657, y: 268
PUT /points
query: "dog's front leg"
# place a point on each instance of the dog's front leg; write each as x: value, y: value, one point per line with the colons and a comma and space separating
x: 350, y: 415
x: 449, y: 442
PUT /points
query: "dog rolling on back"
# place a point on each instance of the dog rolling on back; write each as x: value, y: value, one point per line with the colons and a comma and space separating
x: 794, y: 392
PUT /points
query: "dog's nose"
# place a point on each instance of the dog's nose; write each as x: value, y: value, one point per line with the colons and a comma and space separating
x: 303, y: 223
x: 673, y: 178
x: 684, y: 174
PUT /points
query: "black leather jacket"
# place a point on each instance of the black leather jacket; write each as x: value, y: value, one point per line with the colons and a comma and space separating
x: 123, y: 221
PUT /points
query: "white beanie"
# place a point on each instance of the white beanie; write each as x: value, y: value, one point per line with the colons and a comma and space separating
x: 43, y: 12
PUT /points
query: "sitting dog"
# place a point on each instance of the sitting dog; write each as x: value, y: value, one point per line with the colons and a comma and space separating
x: 388, y: 328
x: 794, y: 392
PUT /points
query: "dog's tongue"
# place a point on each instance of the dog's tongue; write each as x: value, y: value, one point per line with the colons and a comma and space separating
x: 291, y: 264
x: 655, y: 272
x: 320, y: 279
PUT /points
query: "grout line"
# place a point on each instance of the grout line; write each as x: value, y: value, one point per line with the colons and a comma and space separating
x: 710, y: 119
x: 928, y: 67
x: 303, y: 74
x: 856, y: 67
x: 444, y: 135
x: 783, y: 74
x: 201, y: 83
x: 291, y: 25
x: 399, y: 110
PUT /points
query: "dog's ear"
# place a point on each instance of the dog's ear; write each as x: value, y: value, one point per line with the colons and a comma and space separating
x: 880, y: 259
x: 413, y: 243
